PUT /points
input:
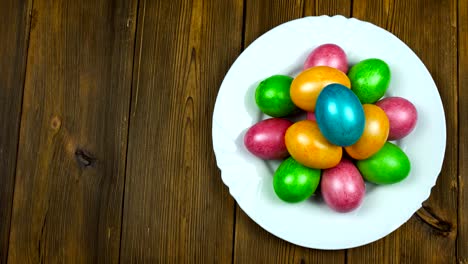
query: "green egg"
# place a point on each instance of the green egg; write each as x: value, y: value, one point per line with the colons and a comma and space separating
x: 369, y: 80
x: 389, y: 165
x: 272, y: 96
x: 294, y: 182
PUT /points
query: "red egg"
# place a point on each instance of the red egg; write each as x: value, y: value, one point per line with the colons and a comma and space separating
x: 402, y: 116
x: 327, y: 55
x: 311, y: 116
x: 342, y: 187
x: 266, y: 139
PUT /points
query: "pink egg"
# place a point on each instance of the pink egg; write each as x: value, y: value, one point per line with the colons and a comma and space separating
x: 311, y: 116
x: 328, y: 55
x: 266, y: 139
x: 342, y: 187
x: 402, y: 116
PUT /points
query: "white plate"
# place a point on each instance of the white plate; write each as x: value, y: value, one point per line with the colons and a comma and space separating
x: 312, y: 224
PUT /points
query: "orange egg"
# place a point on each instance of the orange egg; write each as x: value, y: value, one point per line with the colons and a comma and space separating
x: 306, y: 87
x: 374, y: 136
x: 309, y: 147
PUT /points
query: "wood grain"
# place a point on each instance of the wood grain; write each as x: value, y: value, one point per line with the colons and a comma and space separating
x: 252, y: 243
x: 462, y: 239
x: 262, y: 15
x: 99, y: 76
x: 14, y: 34
x: 176, y: 206
x: 429, y: 28
x: 327, y: 7
x: 72, y: 150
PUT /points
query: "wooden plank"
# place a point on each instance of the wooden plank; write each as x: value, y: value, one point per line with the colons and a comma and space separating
x: 263, y: 15
x: 463, y: 131
x: 429, y: 28
x: 176, y: 206
x: 328, y: 7
x: 71, y: 162
x: 13, y: 53
x: 252, y: 243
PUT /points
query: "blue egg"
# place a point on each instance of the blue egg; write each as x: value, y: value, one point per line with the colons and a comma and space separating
x: 339, y: 115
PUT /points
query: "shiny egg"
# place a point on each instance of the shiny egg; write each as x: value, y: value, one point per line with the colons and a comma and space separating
x: 389, y: 165
x: 294, y: 182
x: 273, y: 97
x: 374, y: 136
x: 330, y: 55
x: 266, y: 139
x: 309, y: 147
x: 370, y: 80
x: 339, y: 115
x: 342, y: 187
x: 402, y: 116
x: 306, y: 87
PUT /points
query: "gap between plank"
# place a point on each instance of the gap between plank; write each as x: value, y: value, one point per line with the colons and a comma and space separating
x: 135, y: 42
x: 18, y: 129
x: 457, y: 13
x: 244, y: 12
x: 303, y: 8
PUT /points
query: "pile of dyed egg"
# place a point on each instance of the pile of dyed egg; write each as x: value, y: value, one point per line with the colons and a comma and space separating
x: 344, y: 139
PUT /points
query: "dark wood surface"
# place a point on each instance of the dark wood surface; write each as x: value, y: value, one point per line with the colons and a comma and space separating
x: 67, y: 204
x: 13, y: 52
x: 105, y: 131
x: 176, y: 207
x: 462, y: 239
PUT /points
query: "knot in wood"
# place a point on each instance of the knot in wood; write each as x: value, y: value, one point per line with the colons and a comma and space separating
x: 84, y: 158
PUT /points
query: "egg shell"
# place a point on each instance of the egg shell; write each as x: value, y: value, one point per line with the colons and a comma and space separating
x: 273, y: 97
x: 306, y: 87
x: 294, y: 182
x: 266, y: 139
x: 370, y: 80
x: 374, y: 136
x: 330, y: 55
x: 311, y: 116
x: 389, y: 165
x: 402, y: 115
x: 342, y: 187
x: 340, y: 115
x: 309, y: 147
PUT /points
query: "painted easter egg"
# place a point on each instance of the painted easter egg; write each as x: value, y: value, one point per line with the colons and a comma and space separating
x: 339, y: 115
x: 374, y: 136
x: 306, y: 87
x: 389, y: 165
x: 273, y: 98
x: 327, y: 55
x: 342, y: 187
x: 266, y: 139
x: 402, y: 116
x: 308, y: 146
x: 369, y: 80
x: 294, y: 182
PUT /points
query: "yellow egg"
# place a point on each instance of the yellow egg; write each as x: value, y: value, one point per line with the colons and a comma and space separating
x: 309, y: 147
x: 374, y: 136
x: 306, y: 87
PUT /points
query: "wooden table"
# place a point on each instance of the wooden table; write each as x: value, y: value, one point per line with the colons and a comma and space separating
x: 105, y: 131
